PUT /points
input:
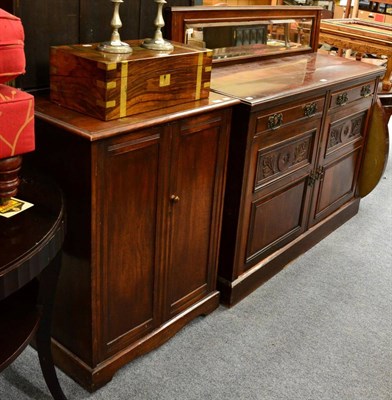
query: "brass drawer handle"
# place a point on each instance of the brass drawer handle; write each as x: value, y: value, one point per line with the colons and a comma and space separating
x: 310, y: 109
x: 320, y: 173
x: 312, y: 179
x: 342, y: 99
x: 366, y: 91
x: 275, y: 121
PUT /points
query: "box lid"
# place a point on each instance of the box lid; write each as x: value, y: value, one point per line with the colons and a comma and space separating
x: 79, y: 60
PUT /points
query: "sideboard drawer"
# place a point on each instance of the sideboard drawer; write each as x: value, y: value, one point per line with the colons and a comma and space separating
x: 278, y: 117
x: 348, y: 96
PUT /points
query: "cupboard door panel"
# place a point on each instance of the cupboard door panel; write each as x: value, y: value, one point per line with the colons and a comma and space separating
x: 276, y: 219
x: 344, y: 133
x: 339, y: 161
x: 336, y: 185
x: 129, y: 221
x: 278, y: 190
x: 285, y: 158
x: 195, y: 159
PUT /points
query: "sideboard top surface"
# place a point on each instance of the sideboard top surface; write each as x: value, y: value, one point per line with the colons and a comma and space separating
x: 261, y: 81
x: 94, y: 129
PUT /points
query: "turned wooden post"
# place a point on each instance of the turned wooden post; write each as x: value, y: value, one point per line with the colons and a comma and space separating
x: 9, y: 177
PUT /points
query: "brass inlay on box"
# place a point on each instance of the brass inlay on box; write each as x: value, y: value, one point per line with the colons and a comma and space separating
x: 106, y: 85
x: 164, y: 80
x: 199, y: 76
x: 106, y: 104
x: 123, y: 90
x: 106, y: 66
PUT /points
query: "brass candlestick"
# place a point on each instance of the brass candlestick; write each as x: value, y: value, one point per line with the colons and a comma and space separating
x: 115, y: 45
x: 158, y: 43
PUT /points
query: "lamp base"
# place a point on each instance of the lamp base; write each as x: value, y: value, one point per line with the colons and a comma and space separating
x: 9, y: 177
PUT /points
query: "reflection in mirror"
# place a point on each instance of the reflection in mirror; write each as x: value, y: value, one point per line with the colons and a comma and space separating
x: 244, y: 39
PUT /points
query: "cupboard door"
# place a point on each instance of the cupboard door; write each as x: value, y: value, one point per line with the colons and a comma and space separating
x: 278, y: 191
x: 196, y: 188
x: 339, y: 162
x: 128, y: 221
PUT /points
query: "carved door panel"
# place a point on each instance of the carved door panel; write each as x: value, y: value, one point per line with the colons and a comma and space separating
x: 130, y: 220
x: 196, y: 186
x: 278, y: 190
x: 338, y: 166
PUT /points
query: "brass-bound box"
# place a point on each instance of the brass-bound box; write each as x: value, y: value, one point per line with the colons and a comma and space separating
x: 110, y: 86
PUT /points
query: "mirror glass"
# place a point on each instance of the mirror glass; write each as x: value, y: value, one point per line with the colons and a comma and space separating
x: 248, y: 39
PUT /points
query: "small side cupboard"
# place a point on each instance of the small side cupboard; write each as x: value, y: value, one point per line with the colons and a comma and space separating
x: 144, y: 198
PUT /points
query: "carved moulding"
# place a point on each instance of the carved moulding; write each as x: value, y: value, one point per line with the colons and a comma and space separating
x: 345, y: 131
x: 274, y: 163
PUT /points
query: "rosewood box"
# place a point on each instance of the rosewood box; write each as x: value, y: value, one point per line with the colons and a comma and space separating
x: 109, y: 86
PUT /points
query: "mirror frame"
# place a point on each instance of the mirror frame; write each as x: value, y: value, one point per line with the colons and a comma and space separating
x: 177, y: 18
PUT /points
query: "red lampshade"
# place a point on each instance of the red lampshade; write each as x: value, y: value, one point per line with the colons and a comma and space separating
x: 12, y: 58
x: 16, y: 122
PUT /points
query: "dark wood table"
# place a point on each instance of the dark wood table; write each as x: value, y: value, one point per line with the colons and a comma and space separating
x: 30, y: 259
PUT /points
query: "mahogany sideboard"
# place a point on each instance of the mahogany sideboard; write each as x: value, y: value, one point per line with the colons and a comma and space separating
x: 144, y: 200
x: 296, y: 145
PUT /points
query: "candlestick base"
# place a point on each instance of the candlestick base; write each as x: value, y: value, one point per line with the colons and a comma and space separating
x: 157, y: 44
x: 115, y: 47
